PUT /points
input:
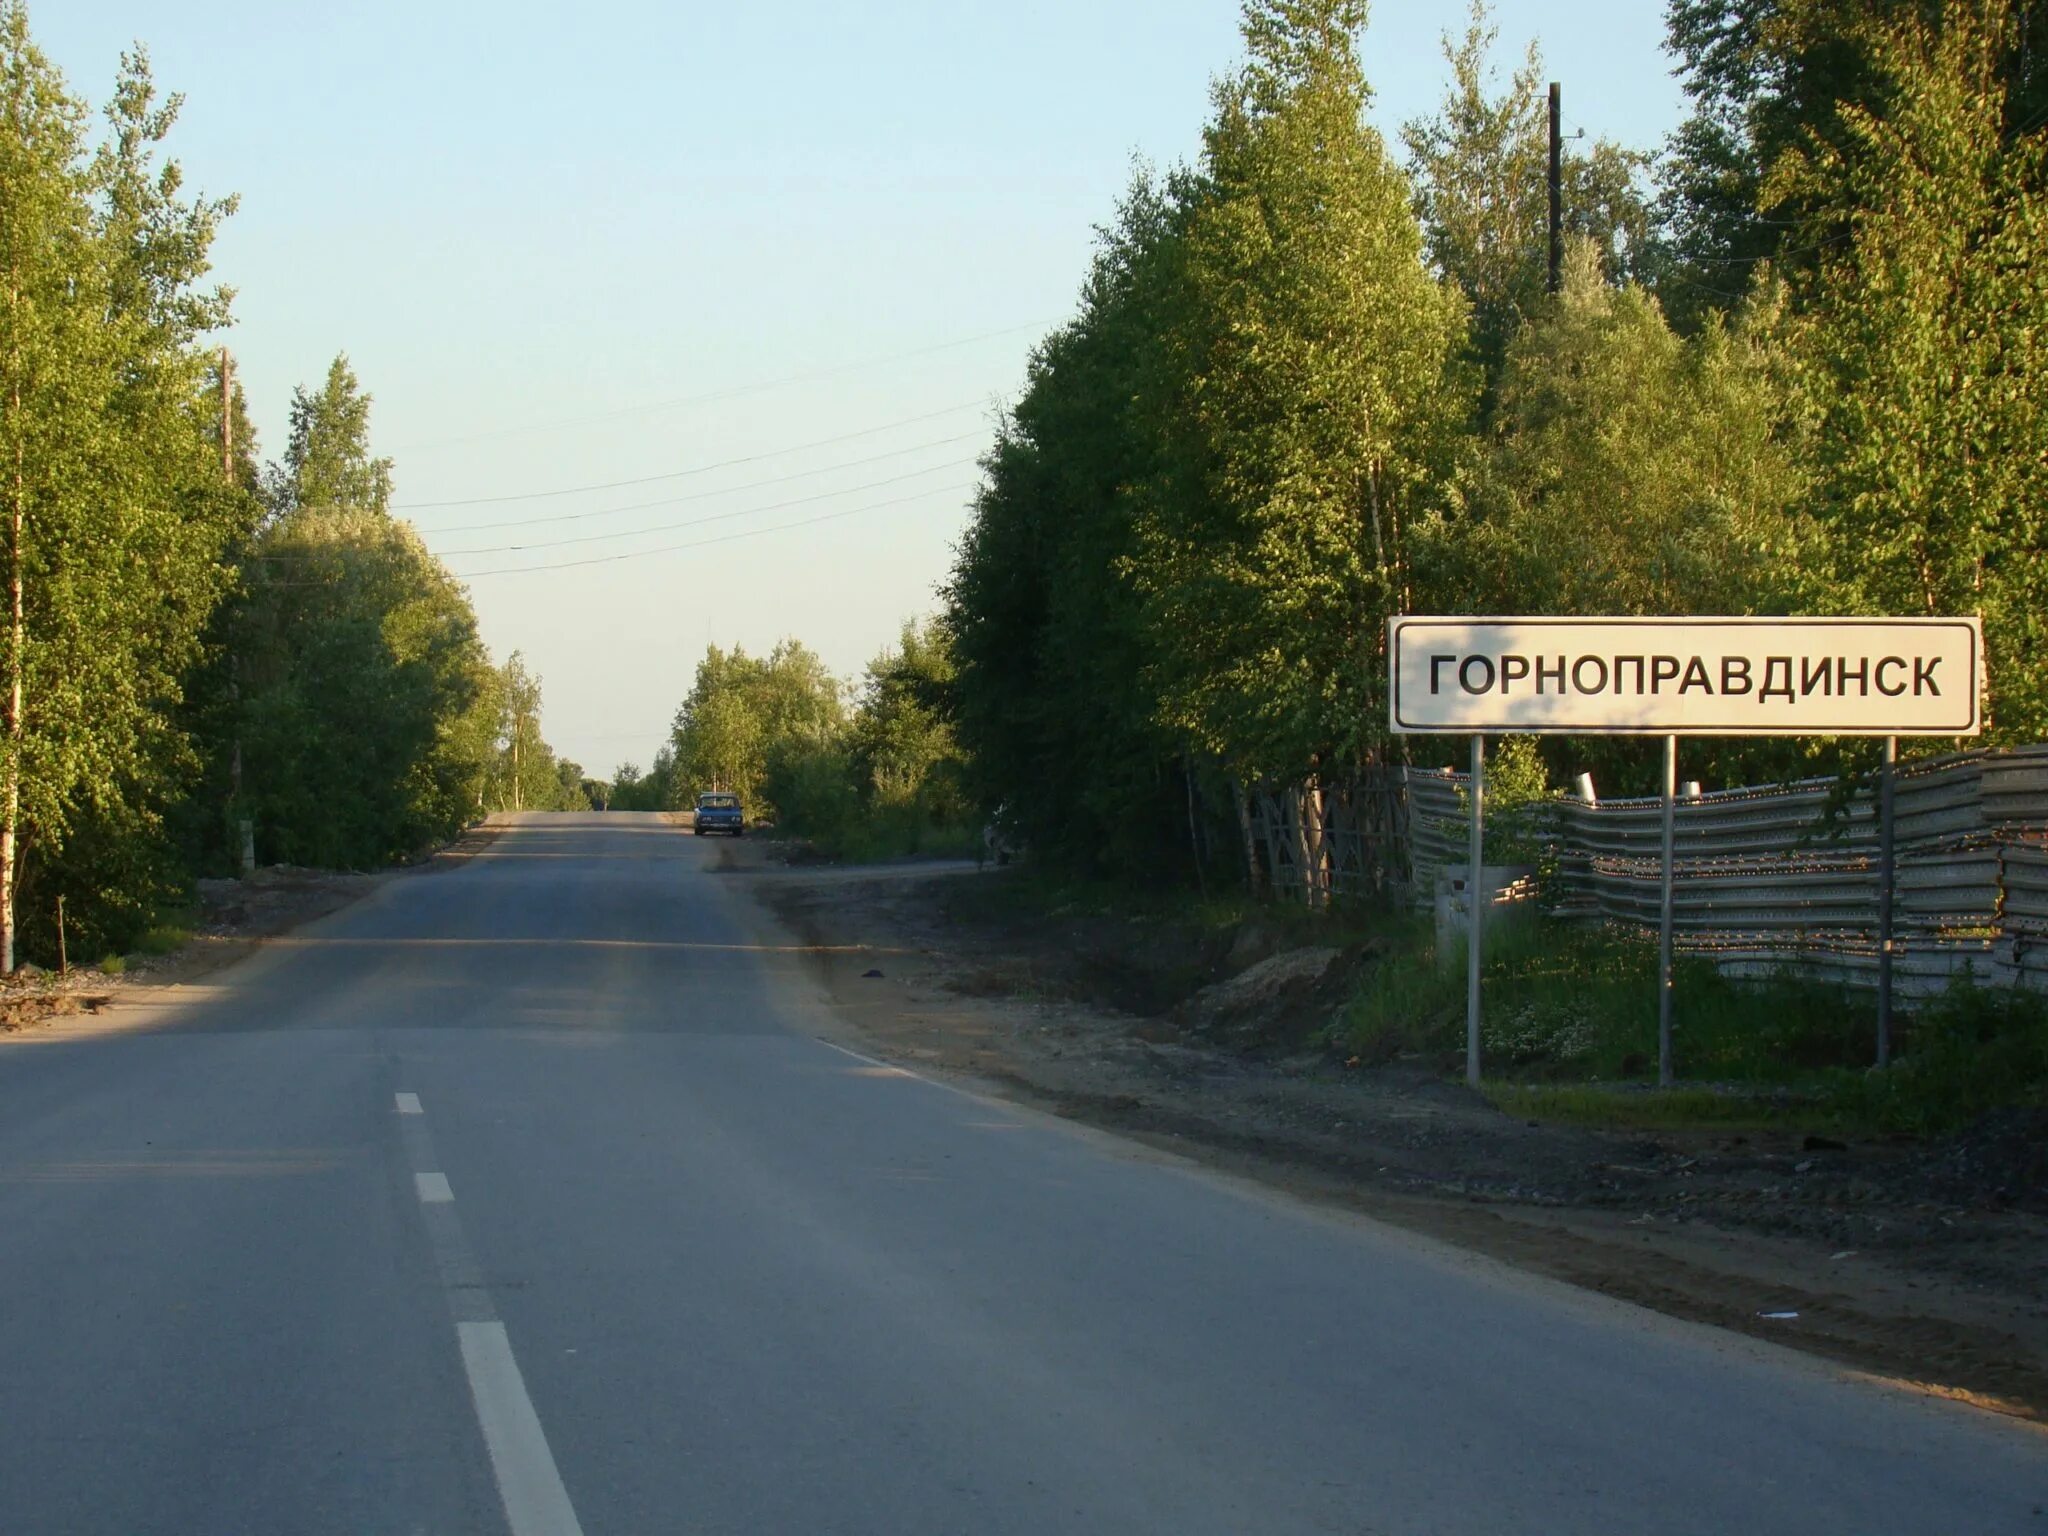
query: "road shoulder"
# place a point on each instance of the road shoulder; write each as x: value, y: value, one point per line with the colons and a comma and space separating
x: 1873, y: 1272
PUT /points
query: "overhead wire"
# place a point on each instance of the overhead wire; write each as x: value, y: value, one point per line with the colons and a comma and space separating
x: 725, y: 490
x: 698, y: 522
x: 695, y: 469
x: 726, y: 538
x: 735, y: 392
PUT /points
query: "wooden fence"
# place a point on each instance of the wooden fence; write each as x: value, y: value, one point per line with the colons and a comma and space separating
x: 1344, y: 838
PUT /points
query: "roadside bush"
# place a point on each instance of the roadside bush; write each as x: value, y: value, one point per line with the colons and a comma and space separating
x: 812, y: 793
x: 1566, y: 1004
x: 1972, y: 1050
x: 1569, y: 1001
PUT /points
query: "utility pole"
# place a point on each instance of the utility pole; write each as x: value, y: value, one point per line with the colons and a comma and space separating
x: 1556, y: 186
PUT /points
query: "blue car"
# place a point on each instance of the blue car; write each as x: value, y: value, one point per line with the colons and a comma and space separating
x: 720, y: 813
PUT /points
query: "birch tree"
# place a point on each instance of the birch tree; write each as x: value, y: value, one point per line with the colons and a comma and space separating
x: 116, y: 513
x: 1925, y: 344
x: 1313, y: 412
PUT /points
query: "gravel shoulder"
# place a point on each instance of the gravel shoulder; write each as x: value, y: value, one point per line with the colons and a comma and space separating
x: 1916, y: 1263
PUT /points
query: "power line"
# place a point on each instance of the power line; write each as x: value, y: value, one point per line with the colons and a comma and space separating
x: 285, y: 557
x: 727, y: 538
x: 679, y: 474
x: 727, y: 394
x: 726, y: 490
x: 698, y: 522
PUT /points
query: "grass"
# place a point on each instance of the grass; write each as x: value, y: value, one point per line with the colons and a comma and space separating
x: 1046, y: 892
x: 886, y: 834
x: 163, y: 938
x: 1621, y: 1107
x: 113, y: 965
x: 1569, y: 1033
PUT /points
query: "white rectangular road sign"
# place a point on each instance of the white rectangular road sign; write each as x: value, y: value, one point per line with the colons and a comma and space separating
x: 1687, y: 676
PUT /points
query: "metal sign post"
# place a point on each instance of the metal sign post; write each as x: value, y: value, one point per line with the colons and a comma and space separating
x: 1664, y: 915
x: 1672, y: 677
x: 1475, y: 903
x: 1887, y: 878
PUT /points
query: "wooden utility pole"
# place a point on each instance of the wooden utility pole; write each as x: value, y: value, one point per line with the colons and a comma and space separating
x: 1556, y: 186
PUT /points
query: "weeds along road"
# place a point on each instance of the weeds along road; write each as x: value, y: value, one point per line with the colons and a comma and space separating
x: 522, y: 1197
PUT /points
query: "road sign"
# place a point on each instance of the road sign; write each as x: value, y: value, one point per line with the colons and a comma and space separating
x: 1687, y: 676
x: 1675, y: 677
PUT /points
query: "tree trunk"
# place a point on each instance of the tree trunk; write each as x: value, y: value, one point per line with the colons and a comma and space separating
x: 1314, y: 882
x: 1252, y: 873
x: 1304, y: 876
x: 1194, y: 837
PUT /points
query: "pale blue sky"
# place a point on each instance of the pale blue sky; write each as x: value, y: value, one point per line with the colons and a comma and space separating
x: 545, y: 236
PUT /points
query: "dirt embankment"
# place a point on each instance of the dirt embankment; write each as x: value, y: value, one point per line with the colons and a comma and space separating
x: 234, y: 917
x: 1918, y: 1262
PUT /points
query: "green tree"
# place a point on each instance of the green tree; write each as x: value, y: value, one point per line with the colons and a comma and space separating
x: 369, y: 710
x: 1768, y: 78
x: 746, y: 718
x: 632, y: 790
x: 526, y: 763
x: 1925, y: 346
x: 327, y: 458
x: 1481, y: 166
x: 571, y: 788
x: 1632, y: 471
x: 1313, y: 412
x: 116, y: 515
x: 1055, y: 699
x: 901, y: 745
x: 362, y: 667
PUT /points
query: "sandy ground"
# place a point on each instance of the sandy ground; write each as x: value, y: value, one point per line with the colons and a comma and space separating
x: 1919, y: 1263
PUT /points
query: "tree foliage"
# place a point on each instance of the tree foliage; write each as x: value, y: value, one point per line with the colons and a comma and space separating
x: 368, y: 717
x: 1631, y: 470
x: 1305, y: 387
x: 1924, y: 339
x: 747, y: 719
x: 116, y: 516
x: 1772, y: 78
x: 1056, y: 697
x: 1481, y: 168
x: 1312, y: 404
x: 901, y: 747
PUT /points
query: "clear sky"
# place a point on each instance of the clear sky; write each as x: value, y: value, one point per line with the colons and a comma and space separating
x: 570, y: 246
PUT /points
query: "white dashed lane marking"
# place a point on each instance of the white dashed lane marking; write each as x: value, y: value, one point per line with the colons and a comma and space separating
x: 529, y: 1484
x: 536, y: 1503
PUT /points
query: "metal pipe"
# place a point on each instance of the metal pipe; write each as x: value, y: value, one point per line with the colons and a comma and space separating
x: 1475, y: 902
x: 1887, y: 878
x: 1664, y: 1072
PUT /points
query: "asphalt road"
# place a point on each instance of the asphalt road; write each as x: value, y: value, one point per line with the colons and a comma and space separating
x: 650, y: 1257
